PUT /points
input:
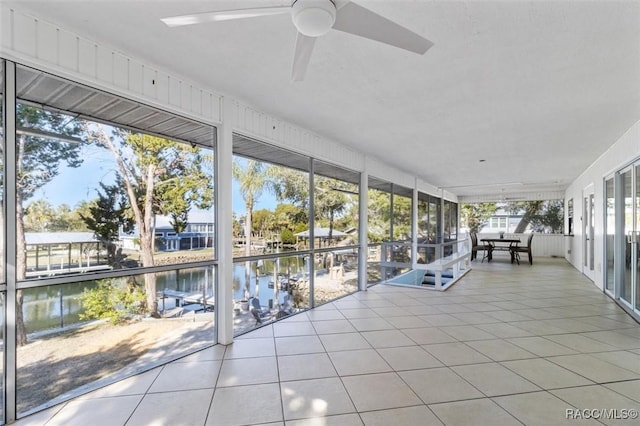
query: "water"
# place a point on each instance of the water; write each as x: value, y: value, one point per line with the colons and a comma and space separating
x: 56, y: 306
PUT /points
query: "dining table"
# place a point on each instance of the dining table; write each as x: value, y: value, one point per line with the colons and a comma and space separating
x: 500, y: 244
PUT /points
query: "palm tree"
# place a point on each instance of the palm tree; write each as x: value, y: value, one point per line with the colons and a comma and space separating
x: 252, y: 178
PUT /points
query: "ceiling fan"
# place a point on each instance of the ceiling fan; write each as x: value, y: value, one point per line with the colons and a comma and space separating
x: 314, y: 18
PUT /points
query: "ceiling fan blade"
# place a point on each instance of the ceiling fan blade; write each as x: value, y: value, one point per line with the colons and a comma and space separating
x: 357, y: 20
x: 224, y: 15
x: 302, y: 56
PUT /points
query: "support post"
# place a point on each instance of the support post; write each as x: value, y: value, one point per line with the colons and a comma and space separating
x: 224, y: 219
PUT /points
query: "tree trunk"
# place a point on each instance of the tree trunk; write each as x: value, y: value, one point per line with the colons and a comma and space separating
x: 21, y: 250
x: 247, y: 252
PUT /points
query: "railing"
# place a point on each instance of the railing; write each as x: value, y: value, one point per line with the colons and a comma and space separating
x: 450, y: 257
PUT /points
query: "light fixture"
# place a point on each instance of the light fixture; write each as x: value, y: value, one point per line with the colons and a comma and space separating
x: 313, y: 18
x: 29, y: 131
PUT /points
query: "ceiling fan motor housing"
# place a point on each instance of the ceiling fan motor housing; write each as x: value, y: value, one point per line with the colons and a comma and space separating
x: 313, y: 18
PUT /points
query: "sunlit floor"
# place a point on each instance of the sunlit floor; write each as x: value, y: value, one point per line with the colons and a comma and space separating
x: 508, y: 344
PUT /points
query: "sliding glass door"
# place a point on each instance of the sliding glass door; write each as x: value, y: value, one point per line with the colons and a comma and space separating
x: 629, y: 289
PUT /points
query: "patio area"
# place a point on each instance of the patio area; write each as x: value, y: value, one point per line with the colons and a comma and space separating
x: 508, y: 344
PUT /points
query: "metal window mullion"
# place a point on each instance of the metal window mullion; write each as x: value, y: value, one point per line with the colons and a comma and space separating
x: 10, y: 235
x: 363, y: 227
x: 312, y: 225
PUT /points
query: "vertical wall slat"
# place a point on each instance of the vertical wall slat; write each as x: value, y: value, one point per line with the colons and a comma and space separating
x: 47, y: 42
x: 67, y: 50
x: 87, y: 60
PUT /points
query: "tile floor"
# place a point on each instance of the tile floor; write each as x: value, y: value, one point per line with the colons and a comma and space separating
x: 508, y: 344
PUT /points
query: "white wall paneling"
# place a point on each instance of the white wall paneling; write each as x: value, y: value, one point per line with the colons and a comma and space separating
x: 34, y: 42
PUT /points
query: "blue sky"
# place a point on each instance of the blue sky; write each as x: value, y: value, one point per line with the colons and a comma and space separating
x: 73, y: 185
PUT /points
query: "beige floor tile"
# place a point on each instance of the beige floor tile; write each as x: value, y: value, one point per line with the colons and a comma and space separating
x: 475, y: 318
x: 539, y: 328
x: 456, y: 354
x: 509, y: 316
x: 359, y: 313
x: 173, y: 408
x: 500, y: 350
x: 545, y: 374
x: 467, y: 333
x: 410, y: 321
x: 408, y: 416
x: 494, y: 379
x: 248, y: 371
x: 504, y: 330
x: 297, y: 345
x: 408, y: 358
x: 619, y: 340
x: 339, y: 420
x: 250, y: 348
x: 387, y: 311
x: 594, y: 397
x: 439, y: 385
x: 136, y: 385
x: 362, y: 361
x: 477, y: 412
x: 539, y: 409
x: 371, y: 324
x: 624, y: 359
x: 344, y: 342
x: 426, y: 336
x: 333, y: 326
x: 572, y: 325
x: 349, y: 303
x: 324, y: 315
x: 454, y: 308
x: 387, y: 338
x: 593, y: 368
x: 379, y: 392
x: 263, y: 405
x: 214, y: 353
x: 424, y: 310
x: 302, y: 328
x: 113, y: 411
x: 580, y: 343
x: 442, y: 320
x: 630, y: 389
x: 186, y: 376
x: 307, y: 366
x: 541, y: 346
x: 264, y: 331
x: 315, y: 398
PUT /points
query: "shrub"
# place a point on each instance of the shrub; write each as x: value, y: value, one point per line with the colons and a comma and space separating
x: 115, y: 300
x: 287, y: 237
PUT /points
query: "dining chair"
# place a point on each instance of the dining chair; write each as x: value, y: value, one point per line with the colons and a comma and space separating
x: 516, y: 250
x: 475, y: 247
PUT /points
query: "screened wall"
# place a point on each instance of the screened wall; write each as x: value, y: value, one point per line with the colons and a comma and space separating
x: 113, y: 215
x: 110, y: 262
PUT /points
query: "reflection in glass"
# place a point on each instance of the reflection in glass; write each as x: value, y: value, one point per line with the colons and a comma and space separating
x: 93, y: 332
x: 610, y: 231
x: 625, y: 289
x: 2, y: 151
x: 277, y: 287
x: 637, y: 233
x: 3, y: 343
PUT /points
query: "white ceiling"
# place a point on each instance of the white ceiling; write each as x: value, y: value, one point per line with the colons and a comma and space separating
x: 537, y: 89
